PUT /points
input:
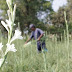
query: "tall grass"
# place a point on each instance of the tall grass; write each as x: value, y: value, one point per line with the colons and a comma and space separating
x: 67, y: 41
x: 28, y: 60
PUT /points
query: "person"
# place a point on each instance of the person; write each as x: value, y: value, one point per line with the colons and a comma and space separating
x: 37, y: 34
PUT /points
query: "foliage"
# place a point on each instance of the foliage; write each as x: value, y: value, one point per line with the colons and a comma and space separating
x: 8, y: 25
x: 27, y: 11
x: 27, y: 59
x: 3, y: 7
x: 57, y: 18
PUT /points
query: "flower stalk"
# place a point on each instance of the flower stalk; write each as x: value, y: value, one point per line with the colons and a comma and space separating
x: 9, y: 27
x: 67, y: 40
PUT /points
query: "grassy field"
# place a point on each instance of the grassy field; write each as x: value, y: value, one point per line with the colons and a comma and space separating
x: 58, y: 58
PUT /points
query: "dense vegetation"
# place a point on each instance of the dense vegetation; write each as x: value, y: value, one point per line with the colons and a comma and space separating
x: 26, y: 59
x: 59, y: 43
x: 30, y: 11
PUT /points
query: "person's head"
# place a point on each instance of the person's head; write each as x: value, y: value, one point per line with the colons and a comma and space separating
x: 32, y: 27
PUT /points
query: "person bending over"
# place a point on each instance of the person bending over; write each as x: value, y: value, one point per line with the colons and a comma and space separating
x: 37, y: 34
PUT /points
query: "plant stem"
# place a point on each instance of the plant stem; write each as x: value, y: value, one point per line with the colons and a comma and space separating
x: 44, y: 56
x: 67, y: 41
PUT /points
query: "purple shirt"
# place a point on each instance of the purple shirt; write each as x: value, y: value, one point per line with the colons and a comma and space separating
x: 35, y: 34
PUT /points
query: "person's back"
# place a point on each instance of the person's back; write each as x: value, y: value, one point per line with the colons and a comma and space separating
x: 36, y: 33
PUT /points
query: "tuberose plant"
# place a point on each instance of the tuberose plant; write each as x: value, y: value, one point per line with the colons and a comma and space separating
x: 9, y: 24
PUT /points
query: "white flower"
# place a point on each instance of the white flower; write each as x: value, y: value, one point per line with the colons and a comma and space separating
x: 26, y: 32
x: 9, y: 3
x: 10, y: 48
x: 29, y: 43
x: 9, y: 23
x: 9, y: 14
x: 5, y: 25
x: 1, y: 46
x: 1, y: 61
x: 17, y: 35
x: 14, y: 12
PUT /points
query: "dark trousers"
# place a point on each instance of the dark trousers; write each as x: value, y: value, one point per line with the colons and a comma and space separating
x: 41, y: 45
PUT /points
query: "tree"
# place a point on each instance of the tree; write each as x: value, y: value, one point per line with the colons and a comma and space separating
x: 27, y: 11
x: 58, y: 18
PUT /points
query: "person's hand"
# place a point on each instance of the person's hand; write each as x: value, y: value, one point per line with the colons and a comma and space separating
x: 38, y: 39
x: 25, y: 43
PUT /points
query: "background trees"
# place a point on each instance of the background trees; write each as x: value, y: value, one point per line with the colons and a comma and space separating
x: 40, y: 13
x: 28, y: 12
x: 57, y: 18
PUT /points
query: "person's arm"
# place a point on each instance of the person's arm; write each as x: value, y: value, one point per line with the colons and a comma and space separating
x: 42, y: 33
x: 27, y: 40
x: 40, y: 37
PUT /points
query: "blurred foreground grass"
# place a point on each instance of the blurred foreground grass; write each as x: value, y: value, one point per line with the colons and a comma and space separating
x: 28, y: 60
